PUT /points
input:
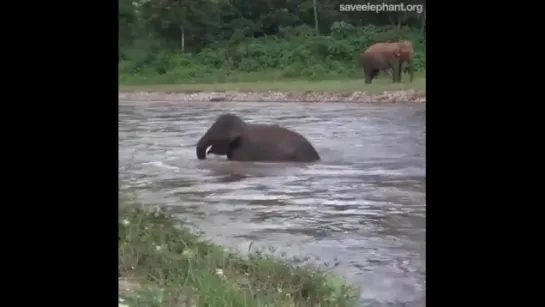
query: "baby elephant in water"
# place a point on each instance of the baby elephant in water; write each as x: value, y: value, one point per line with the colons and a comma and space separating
x: 240, y: 141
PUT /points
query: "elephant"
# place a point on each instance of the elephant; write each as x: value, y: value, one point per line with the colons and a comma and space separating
x: 386, y: 56
x: 241, y: 141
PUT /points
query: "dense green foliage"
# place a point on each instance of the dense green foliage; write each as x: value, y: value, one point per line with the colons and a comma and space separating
x: 201, y: 41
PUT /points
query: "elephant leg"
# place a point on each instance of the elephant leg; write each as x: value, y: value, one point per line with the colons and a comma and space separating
x: 396, y: 70
x: 410, y: 71
x: 368, y: 79
x: 394, y: 73
x: 374, y: 73
x: 370, y: 74
x: 400, y: 71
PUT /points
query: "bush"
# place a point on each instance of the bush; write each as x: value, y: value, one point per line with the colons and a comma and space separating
x: 296, y: 53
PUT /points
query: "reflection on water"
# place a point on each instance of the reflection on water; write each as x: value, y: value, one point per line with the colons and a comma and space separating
x: 363, y: 205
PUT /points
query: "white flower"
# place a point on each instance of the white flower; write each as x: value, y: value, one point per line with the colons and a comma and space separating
x: 156, y: 211
x: 187, y: 253
x: 125, y: 222
x: 158, y: 248
x: 279, y: 290
x: 219, y: 272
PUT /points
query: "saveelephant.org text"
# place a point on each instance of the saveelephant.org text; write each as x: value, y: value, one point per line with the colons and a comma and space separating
x: 382, y: 7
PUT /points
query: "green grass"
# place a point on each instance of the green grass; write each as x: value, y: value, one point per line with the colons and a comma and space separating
x: 161, y: 263
x: 379, y: 85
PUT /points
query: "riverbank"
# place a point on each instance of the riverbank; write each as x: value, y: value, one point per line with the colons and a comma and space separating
x: 161, y: 263
x: 382, y: 91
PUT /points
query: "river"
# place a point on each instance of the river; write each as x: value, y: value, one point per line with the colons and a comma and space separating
x: 363, y: 206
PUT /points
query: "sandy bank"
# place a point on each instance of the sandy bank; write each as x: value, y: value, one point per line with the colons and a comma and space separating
x: 277, y: 96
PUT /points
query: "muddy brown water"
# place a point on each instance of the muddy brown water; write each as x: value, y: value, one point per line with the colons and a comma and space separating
x: 363, y: 206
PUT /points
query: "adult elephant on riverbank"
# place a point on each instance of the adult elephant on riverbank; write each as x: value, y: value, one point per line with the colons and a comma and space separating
x: 240, y: 141
x: 386, y: 56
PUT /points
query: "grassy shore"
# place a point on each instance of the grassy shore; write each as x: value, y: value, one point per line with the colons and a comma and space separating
x: 161, y: 263
x: 378, y: 86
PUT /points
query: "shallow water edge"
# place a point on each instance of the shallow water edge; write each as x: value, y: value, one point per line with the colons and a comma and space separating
x: 402, y: 96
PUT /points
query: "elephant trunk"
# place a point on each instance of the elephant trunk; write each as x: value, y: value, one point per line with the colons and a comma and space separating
x: 202, y: 145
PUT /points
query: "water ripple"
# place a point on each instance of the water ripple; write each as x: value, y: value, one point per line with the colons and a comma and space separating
x: 363, y: 205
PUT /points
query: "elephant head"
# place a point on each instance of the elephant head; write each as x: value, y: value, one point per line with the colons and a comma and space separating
x: 404, y: 50
x: 222, y: 137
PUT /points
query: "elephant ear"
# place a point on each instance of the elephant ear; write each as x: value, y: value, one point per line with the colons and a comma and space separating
x: 235, y: 140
